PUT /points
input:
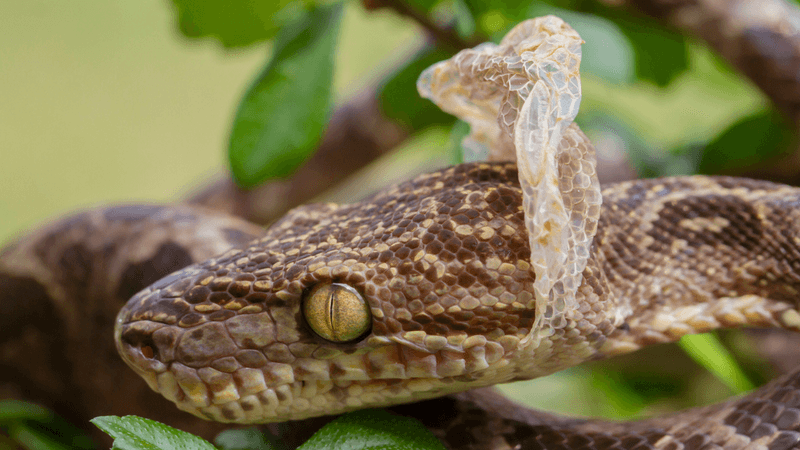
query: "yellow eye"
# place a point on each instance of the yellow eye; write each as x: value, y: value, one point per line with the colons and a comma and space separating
x: 337, y: 312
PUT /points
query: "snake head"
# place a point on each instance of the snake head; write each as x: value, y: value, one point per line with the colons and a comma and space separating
x: 422, y: 290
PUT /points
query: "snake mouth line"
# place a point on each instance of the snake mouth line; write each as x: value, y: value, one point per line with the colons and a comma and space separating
x: 226, y: 390
x: 245, y: 396
x: 298, y: 400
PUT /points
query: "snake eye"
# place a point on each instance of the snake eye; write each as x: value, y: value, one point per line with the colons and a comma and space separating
x: 337, y: 312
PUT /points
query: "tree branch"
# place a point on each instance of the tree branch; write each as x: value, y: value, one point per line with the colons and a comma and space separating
x: 445, y: 36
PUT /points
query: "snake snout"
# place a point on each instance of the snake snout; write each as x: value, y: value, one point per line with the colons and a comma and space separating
x: 141, y: 350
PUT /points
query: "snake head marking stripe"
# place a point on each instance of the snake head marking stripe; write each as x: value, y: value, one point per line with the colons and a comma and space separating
x: 440, y: 261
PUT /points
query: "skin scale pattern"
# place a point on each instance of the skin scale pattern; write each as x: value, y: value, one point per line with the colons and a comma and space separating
x: 449, y: 289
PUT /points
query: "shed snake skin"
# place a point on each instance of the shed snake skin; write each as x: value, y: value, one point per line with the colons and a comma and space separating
x: 465, y: 287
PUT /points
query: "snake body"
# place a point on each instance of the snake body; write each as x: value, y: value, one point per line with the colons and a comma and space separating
x: 462, y: 278
x: 62, y: 285
x: 672, y: 256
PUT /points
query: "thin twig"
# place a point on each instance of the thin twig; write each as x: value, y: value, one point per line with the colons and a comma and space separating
x: 444, y: 35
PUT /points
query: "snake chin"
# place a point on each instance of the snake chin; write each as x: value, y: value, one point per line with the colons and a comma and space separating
x: 304, y: 399
x: 250, y: 402
x: 196, y: 370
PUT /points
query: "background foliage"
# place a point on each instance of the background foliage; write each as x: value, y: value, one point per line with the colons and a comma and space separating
x: 107, y: 100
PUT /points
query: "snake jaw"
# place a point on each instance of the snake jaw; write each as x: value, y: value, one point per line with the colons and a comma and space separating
x: 305, y: 388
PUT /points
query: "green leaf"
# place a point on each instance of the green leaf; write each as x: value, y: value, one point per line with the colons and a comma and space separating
x: 622, y: 399
x: 515, y: 11
x: 464, y: 21
x: 31, y: 438
x: 709, y: 352
x: 372, y: 429
x: 660, y: 54
x: 36, y: 427
x: 752, y: 140
x: 422, y: 6
x: 400, y: 100
x: 235, y: 23
x: 138, y: 433
x: 283, y: 115
x: 247, y: 439
x: 19, y: 410
x: 458, y: 132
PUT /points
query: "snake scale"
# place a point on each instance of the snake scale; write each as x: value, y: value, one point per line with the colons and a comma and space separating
x: 432, y: 287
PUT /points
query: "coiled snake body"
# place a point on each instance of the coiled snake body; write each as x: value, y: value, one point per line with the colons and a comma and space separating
x: 671, y: 256
x: 426, y: 289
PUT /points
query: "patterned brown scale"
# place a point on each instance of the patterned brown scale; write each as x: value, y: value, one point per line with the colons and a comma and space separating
x: 449, y: 289
x: 653, y: 276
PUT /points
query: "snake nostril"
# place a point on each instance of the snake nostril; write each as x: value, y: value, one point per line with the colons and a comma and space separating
x: 142, y: 343
x: 148, y: 351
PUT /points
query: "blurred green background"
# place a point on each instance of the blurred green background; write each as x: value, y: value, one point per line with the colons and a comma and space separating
x: 105, y: 101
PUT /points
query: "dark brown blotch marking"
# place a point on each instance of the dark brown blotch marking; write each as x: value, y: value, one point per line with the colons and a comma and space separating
x: 75, y: 264
x: 744, y: 232
x: 197, y: 294
x: 169, y: 258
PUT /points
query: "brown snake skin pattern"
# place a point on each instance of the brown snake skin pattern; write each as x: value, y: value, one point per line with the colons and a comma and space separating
x: 441, y: 262
x: 447, y: 286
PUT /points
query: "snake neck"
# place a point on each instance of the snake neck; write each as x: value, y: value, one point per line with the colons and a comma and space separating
x: 677, y: 256
x: 693, y: 254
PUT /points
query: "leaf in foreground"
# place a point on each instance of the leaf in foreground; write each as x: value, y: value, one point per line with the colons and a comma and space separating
x: 19, y: 410
x: 661, y: 55
x: 32, y: 438
x: 283, y: 115
x: 750, y: 141
x: 400, y: 100
x: 137, y: 433
x: 248, y: 439
x: 36, y: 427
x: 373, y: 429
x: 709, y: 352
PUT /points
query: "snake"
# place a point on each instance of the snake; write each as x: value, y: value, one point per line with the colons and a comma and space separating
x: 420, y: 296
